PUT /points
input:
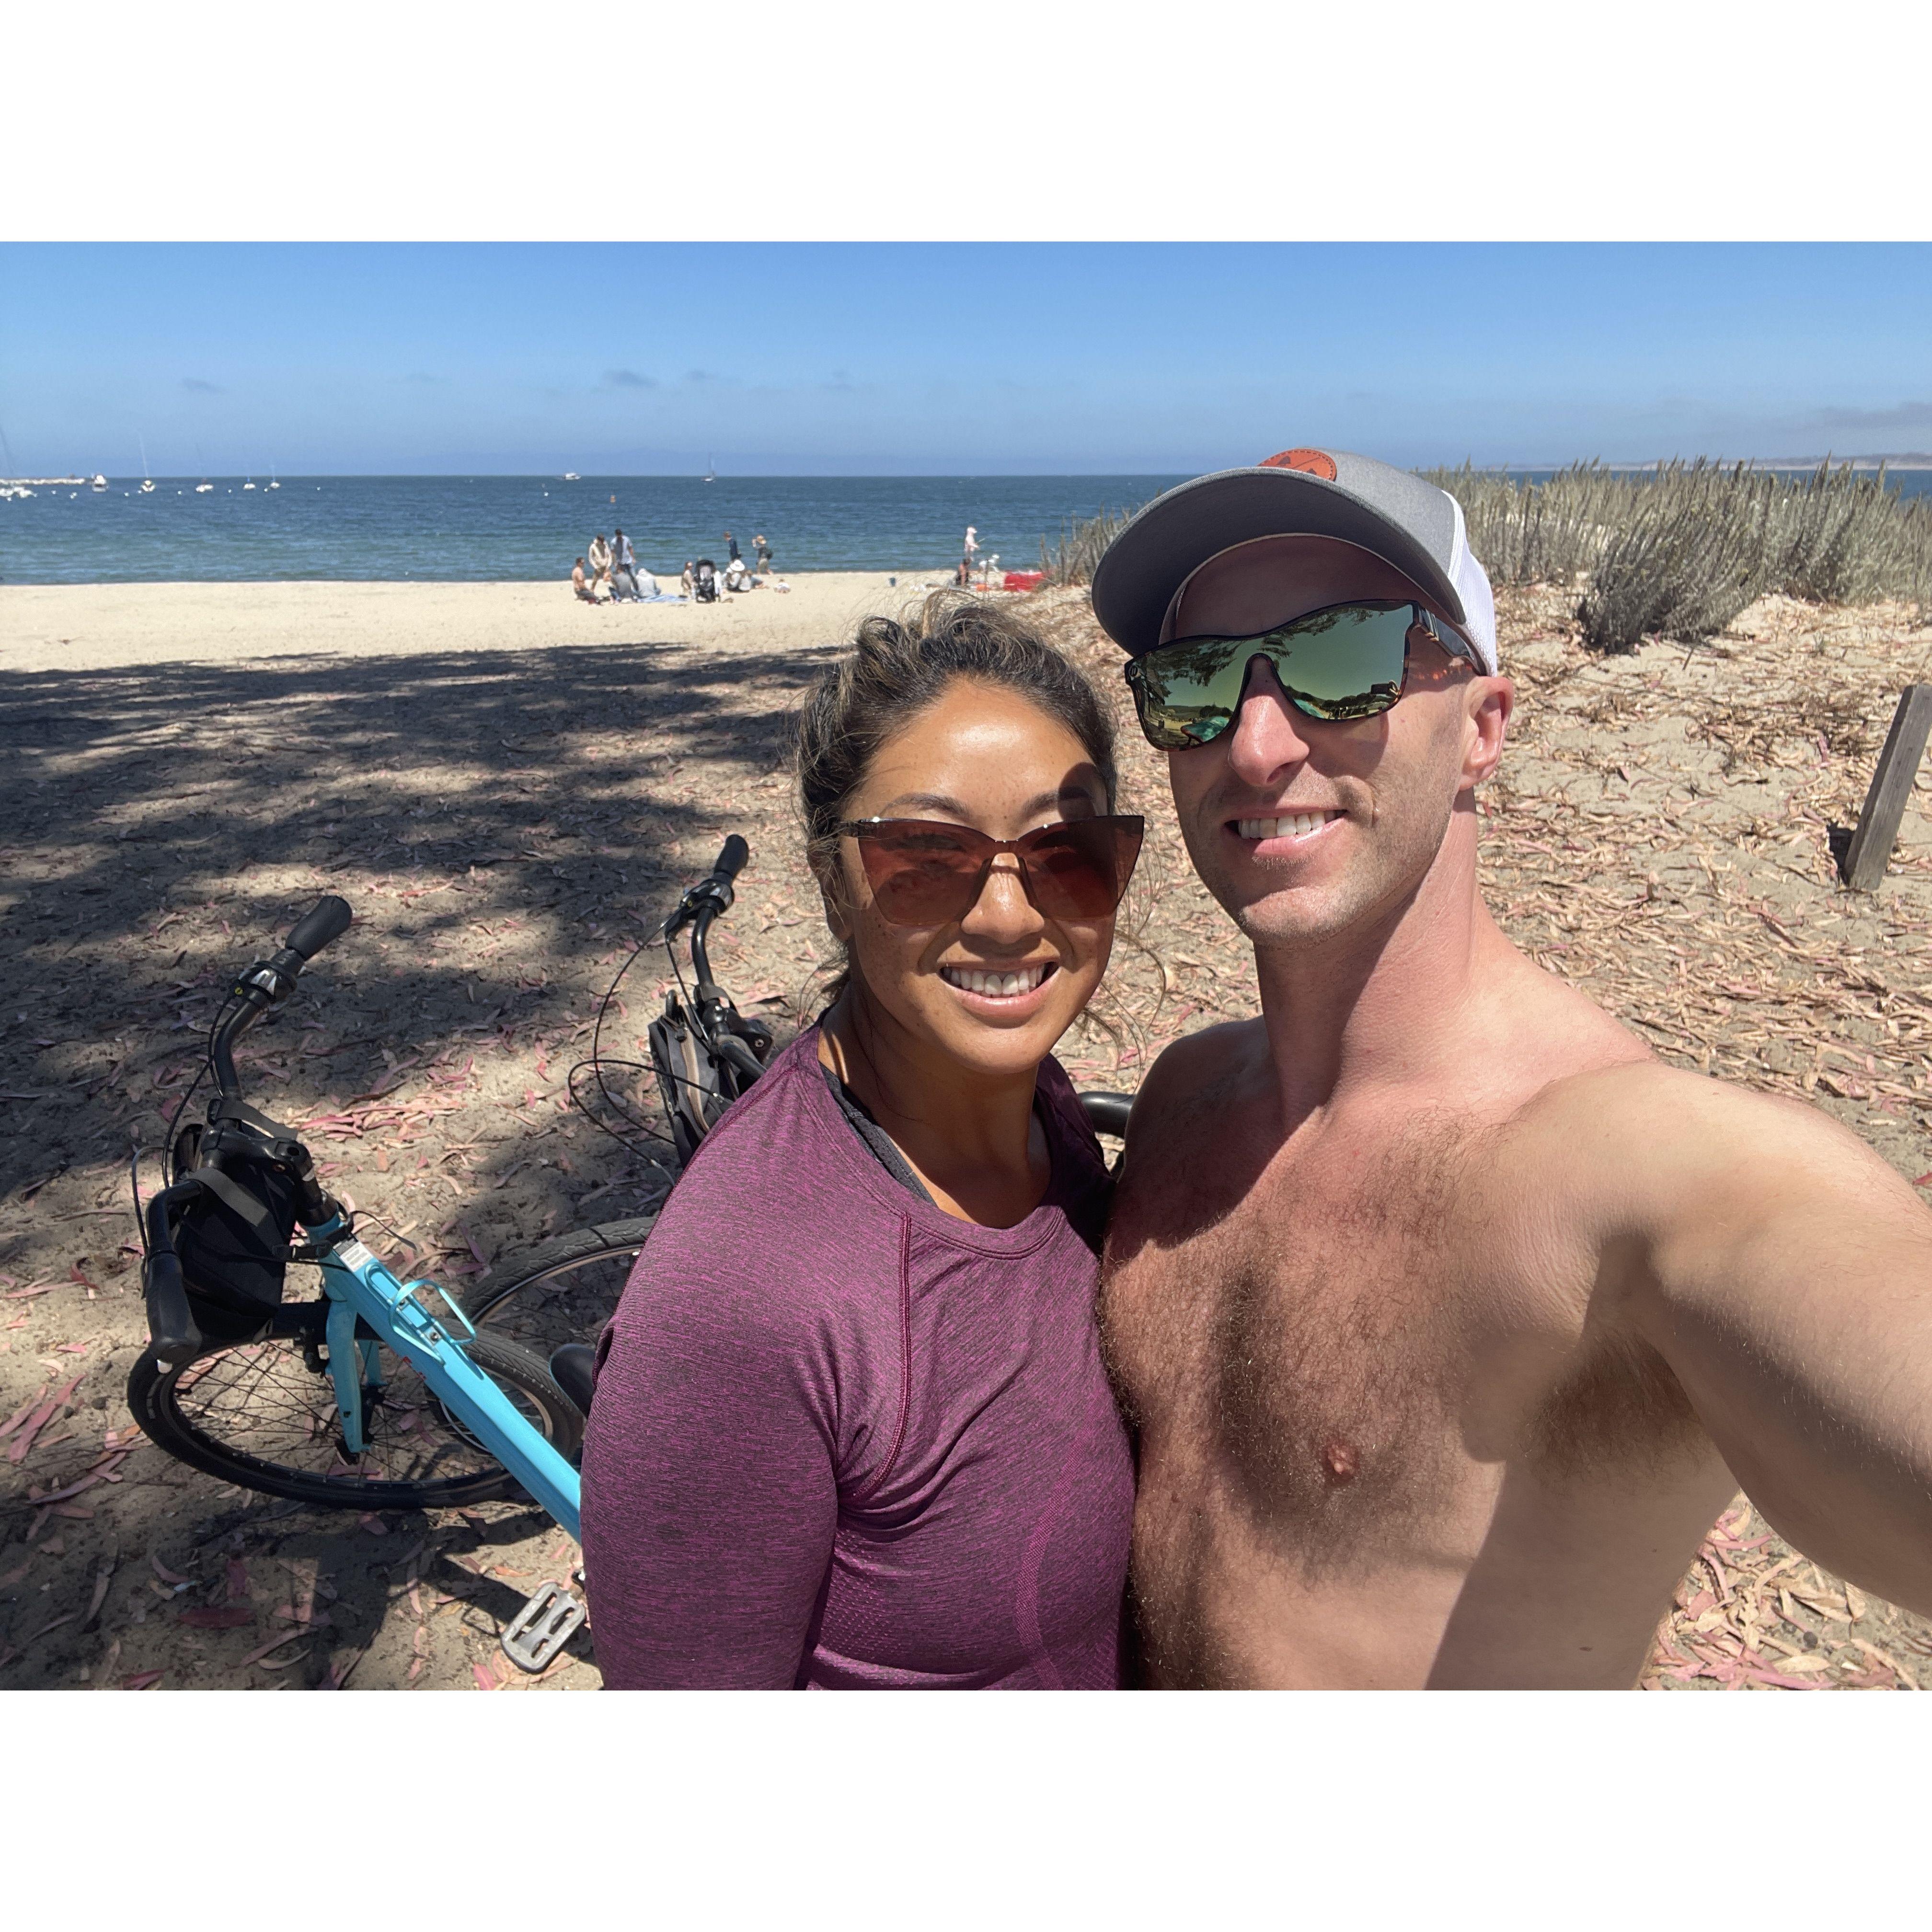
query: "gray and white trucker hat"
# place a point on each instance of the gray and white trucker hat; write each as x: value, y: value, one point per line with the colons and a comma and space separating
x: 1391, y: 513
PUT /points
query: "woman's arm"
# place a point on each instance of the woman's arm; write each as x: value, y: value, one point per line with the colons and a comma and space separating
x: 709, y: 1493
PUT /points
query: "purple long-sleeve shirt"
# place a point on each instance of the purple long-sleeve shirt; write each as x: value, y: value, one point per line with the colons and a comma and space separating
x: 843, y: 1439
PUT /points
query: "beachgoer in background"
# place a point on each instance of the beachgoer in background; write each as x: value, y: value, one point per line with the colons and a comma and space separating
x: 685, y: 582
x: 730, y: 547
x: 623, y: 568
x: 763, y: 552
x: 1448, y: 1316
x: 584, y: 587
x: 737, y: 576
x: 852, y: 1428
x: 600, y: 560
x: 966, y: 561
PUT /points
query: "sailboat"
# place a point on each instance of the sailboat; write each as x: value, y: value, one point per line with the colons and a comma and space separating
x: 710, y: 470
x: 100, y: 482
x: 147, y: 482
x: 202, y: 486
x: 272, y: 484
x: 249, y: 485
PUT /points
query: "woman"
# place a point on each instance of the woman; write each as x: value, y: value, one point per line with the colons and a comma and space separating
x: 851, y: 1426
x: 600, y: 561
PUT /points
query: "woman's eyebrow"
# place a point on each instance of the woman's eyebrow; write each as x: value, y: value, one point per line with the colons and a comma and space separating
x: 936, y: 801
x: 932, y: 801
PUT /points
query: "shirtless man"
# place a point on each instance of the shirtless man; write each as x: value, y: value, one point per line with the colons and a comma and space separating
x: 1448, y: 1316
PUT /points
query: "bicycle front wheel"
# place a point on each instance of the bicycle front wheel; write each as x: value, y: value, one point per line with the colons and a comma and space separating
x: 262, y: 1415
x: 564, y: 1291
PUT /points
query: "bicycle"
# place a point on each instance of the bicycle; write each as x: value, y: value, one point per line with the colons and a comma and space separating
x: 364, y: 1397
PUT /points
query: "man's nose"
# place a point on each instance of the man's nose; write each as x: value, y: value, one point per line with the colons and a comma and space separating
x: 1003, y: 911
x: 1269, y: 734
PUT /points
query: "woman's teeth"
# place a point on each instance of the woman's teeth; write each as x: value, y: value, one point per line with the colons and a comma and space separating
x: 1292, y: 825
x: 999, y: 985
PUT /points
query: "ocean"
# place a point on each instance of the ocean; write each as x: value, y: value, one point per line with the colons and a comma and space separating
x: 524, y: 529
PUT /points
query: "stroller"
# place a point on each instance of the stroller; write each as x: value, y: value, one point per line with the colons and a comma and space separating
x: 704, y: 581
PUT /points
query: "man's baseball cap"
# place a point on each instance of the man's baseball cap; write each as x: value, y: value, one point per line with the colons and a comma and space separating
x: 1392, y: 514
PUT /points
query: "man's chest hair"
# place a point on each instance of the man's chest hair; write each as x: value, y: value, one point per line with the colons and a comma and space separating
x: 1343, y: 1334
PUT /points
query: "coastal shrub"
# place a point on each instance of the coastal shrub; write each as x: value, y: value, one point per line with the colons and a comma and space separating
x: 1678, y: 551
x: 1071, y: 560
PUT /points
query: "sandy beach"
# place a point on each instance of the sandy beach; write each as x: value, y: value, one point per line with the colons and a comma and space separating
x: 509, y: 788
x: 99, y: 626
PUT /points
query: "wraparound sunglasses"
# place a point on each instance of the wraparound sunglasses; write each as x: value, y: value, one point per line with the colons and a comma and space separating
x: 924, y: 871
x: 1349, y: 661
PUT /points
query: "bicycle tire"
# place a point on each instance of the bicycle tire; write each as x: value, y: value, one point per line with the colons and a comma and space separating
x: 195, y: 1425
x: 563, y: 1290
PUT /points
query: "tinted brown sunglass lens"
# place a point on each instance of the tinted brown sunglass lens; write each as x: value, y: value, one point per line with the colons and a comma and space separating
x: 1080, y: 869
x: 924, y: 875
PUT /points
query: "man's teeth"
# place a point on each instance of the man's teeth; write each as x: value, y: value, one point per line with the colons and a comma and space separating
x: 1293, y: 825
x: 1002, y: 985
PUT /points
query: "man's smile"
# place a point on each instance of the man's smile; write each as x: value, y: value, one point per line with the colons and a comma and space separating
x: 1282, y: 828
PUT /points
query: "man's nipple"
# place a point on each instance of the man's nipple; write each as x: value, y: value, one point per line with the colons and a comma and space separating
x: 1339, y: 1462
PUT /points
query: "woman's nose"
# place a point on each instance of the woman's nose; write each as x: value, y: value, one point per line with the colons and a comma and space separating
x: 1002, y: 911
x: 1269, y: 734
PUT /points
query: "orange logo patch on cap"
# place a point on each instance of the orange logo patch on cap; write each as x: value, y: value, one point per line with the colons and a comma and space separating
x: 1315, y: 462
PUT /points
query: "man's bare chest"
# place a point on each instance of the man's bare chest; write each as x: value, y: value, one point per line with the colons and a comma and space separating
x: 1337, y: 1341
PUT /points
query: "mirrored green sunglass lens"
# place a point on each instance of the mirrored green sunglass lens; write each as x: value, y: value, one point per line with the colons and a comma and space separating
x: 1190, y: 692
x: 1348, y: 663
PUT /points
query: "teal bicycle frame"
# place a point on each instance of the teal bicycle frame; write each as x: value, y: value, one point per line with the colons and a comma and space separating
x: 364, y: 1294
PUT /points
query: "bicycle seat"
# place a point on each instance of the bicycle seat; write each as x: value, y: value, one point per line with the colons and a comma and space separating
x: 574, y: 1366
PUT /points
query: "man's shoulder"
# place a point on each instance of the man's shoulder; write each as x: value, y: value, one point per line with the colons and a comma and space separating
x: 1197, y: 1064
x: 1651, y: 1133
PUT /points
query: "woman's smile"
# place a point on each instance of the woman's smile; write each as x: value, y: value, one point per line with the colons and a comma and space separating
x: 1007, y: 991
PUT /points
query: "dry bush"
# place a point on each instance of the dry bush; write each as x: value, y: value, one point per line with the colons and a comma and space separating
x: 1071, y: 560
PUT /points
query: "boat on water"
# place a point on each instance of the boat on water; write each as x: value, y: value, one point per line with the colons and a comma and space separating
x: 147, y: 482
x: 100, y: 482
x: 272, y: 484
x: 572, y: 476
x: 710, y: 470
x: 249, y: 485
x: 204, y: 486
x: 147, y: 486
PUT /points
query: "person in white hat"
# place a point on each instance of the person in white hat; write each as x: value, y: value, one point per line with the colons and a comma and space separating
x: 1447, y: 1317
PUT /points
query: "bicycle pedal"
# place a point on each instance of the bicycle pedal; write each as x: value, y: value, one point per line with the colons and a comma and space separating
x: 550, y: 1617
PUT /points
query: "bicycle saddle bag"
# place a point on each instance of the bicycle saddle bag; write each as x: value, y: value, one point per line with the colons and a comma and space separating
x: 233, y: 1237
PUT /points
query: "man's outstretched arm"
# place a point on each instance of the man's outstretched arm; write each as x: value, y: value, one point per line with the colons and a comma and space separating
x: 1784, y: 1272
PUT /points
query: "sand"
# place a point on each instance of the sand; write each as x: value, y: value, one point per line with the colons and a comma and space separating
x: 103, y: 626
x: 509, y: 789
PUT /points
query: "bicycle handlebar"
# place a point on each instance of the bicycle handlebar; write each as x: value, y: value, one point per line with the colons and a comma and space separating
x: 325, y: 922
x: 731, y: 857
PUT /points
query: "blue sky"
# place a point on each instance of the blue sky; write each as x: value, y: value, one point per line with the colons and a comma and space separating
x: 882, y: 359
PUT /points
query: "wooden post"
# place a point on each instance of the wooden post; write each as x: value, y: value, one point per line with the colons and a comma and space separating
x: 1870, y: 849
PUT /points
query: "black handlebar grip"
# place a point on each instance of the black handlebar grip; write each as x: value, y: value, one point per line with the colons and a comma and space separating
x: 1107, y: 1113
x: 171, y: 1328
x: 731, y: 858
x: 327, y: 920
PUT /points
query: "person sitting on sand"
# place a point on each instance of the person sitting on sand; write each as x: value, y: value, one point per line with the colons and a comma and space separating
x: 1447, y: 1316
x: 585, y: 586
x: 600, y: 560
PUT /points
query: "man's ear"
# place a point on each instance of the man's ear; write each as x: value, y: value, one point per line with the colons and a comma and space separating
x: 1490, y: 700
